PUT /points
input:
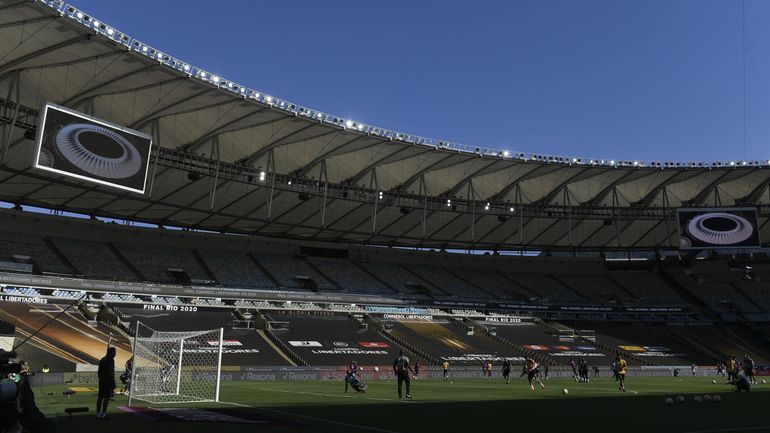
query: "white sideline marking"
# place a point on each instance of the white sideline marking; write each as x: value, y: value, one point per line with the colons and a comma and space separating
x: 296, y: 415
x: 722, y: 430
x: 318, y: 394
x: 609, y: 390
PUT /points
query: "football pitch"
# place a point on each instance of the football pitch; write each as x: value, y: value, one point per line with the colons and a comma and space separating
x: 437, y: 406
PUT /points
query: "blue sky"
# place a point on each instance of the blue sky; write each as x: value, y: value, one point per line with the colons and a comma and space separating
x: 614, y: 79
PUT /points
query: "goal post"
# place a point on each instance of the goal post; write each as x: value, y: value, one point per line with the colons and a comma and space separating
x: 176, y: 367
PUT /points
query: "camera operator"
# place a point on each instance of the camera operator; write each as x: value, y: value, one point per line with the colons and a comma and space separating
x: 20, y: 409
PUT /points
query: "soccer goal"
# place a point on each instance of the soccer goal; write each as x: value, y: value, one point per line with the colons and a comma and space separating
x: 176, y: 367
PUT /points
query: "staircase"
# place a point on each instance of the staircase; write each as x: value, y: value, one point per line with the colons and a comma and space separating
x: 263, y: 270
x: 400, y: 342
x: 425, y: 282
x: 380, y: 280
x: 276, y: 347
x: 524, y: 352
x: 51, y: 246
x: 125, y: 262
x: 476, y: 286
x: 687, y: 295
x: 202, y: 263
x: 283, y: 349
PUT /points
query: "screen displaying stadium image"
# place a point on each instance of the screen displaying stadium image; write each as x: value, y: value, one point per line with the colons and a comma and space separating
x: 74, y: 144
x: 718, y: 228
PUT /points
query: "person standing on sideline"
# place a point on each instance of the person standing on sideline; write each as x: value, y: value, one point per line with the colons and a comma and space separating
x: 445, y: 366
x: 621, y: 365
x: 106, y: 376
x: 507, y: 370
x: 402, y: 369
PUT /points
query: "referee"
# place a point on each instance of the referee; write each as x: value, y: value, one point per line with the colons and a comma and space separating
x: 402, y: 369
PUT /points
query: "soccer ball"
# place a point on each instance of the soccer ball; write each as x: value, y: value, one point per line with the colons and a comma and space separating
x: 680, y: 399
x: 717, y: 398
x: 376, y: 368
x: 565, y: 391
x: 669, y: 401
x: 698, y: 399
x: 714, y: 381
x: 706, y: 397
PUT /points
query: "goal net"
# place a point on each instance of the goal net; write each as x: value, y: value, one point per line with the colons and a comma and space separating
x: 176, y: 367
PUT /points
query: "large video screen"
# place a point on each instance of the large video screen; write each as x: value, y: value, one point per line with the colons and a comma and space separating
x: 701, y: 228
x: 74, y: 144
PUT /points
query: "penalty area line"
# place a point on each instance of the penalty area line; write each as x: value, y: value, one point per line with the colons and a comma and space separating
x: 312, y: 418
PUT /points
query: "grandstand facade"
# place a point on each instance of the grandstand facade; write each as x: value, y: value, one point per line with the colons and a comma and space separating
x: 313, y: 239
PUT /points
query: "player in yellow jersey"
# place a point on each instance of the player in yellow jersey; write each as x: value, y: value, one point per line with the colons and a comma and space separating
x: 445, y: 366
x: 622, y: 367
x: 532, y: 368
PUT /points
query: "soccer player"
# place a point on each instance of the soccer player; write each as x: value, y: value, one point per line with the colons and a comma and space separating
x: 125, y: 378
x: 694, y: 369
x: 531, y: 368
x: 483, y: 369
x: 489, y: 370
x: 621, y: 365
x: 614, y: 369
x: 106, y: 375
x: 352, y: 373
x: 574, y: 369
x: 732, y: 369
x: 416, y: 369
x: 445, y: 366
x: 721, y: 369
x: 596, y: 372
x: 583, y: 370
x: 545, y: 370
x: 507, y: 370
x: 748, y: 369
x: 402, y: 369
x: 741, y: 383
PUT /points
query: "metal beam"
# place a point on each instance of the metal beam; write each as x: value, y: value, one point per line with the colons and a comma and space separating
x: 755, y: 194
x: 14, y: 5
x: 185, y: 111
x: 704, y: 193
x: 273, y: 144
x: 453, y: 190
x: 598, y: 198
x: 554, y: 192
x: 19, y: 60
x: 77, y: 96
x: 534, y: 172
x: 542, y: 232
x: 149, y: 117
x: 419, y: 173
x: 677, y: 176
x: 25, y: 21
x: 358, y: 176
x: 200, y: 141
x: 65, y: 63
x: 301, y: 171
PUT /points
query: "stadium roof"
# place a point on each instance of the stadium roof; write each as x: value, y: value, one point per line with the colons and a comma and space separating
x: 234, y: 159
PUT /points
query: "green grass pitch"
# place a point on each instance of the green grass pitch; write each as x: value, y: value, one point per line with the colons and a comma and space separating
x: 460, y: 406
